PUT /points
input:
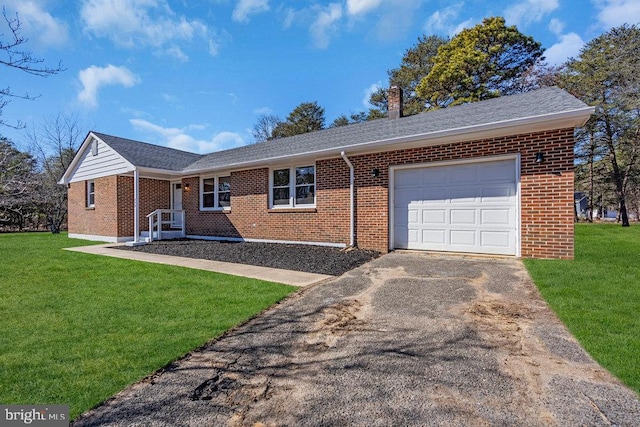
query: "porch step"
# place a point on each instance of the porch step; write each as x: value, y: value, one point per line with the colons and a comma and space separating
x: 166, y: 234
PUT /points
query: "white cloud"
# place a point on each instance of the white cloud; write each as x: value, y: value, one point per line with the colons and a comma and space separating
x: 461, y: 26
x: 367, y: 94
x: 37, y: 24
x: 528, y: 11
x: 614, y: 13
x: 441, y: 21
x: 396, y: 19
x: 556, y: 26
x: 179, y: 138
x: 568, y: 46
x: 244, y: 8
x: 140, y: 23
x: 325, y: 25
x: 94, y: 78
x: 262, y: 110
x: 177, y: 53
x: 357, y: 7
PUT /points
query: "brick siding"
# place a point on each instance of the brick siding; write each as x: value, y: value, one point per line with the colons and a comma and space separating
x: 112, y: 215
x: 249, y: 216
x: 546, y: 197
x: 546, y: 202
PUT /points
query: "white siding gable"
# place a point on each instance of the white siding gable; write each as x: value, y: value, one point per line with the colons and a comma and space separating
x: 106, y: 162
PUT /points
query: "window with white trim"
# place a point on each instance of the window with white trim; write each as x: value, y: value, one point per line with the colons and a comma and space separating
x: 215, y: 193
x: 91, y: 194
x: 293, y: 187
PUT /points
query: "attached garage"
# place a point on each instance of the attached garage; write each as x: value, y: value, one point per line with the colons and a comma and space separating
x: 469, y: 206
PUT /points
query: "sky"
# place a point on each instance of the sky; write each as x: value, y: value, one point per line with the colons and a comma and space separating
x: 197, y: 75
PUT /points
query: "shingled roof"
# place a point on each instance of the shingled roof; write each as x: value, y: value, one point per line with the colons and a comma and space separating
x: 147, y: 155
x: 539, y: 103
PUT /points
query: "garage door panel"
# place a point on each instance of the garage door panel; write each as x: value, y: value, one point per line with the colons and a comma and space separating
x: 496, y: 239
x: 401, y: 217
x: 404, y: 179
x: 463, y: 216
x: 414, y: 235
x: 502, y: 193
x: 462, y: 208
x: 408, y: 195
x: 499, y: 172
x: 432, y: 176
x: 432, y: 195
x: 461, y: 194
x: 503, y: 216
x: 463, y: 174
x: 434, y: 216
x: 462, y: 238
x: 433, y: 236
x: 414, y: 217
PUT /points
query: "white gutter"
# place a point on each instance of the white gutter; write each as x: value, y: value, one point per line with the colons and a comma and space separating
x: 136, y: 206
x: 351, y: 196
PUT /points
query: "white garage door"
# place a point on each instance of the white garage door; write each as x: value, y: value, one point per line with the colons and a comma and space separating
x: 470, y: 207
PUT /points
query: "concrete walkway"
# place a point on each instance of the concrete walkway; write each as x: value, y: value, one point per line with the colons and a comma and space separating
x: 287, y: 277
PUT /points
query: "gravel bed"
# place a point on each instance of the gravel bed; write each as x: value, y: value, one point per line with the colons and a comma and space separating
x: 307, y: 258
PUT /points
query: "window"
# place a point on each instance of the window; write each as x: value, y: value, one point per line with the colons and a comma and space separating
x: 293, y: 187
x: 91, y: 194
x: 215, y: 193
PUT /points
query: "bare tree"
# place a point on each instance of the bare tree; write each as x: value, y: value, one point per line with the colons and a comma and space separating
x: 17, y: 177
x: 54, y: 145
x: 263, y: 129
x: 13, y: 56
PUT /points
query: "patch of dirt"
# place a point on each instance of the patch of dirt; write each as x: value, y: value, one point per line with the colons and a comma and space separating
x: 335, y: 321
x: 509, y: 327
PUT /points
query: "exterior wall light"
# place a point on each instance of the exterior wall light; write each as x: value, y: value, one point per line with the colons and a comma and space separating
x: 539, y: 158
x: 375, y: 173
x: 187, y: 187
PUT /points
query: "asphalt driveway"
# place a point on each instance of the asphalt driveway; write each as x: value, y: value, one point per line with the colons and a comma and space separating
x: 407, y: 339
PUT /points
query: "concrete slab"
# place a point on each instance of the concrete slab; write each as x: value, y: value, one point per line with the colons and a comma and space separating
x: 287, y: 277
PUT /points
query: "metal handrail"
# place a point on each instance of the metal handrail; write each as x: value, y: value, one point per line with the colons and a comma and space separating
x: 159, y: 222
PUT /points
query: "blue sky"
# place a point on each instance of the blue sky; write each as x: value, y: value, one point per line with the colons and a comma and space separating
x: 196, y: 75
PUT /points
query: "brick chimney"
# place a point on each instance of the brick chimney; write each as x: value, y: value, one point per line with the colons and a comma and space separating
x: 394, y: 102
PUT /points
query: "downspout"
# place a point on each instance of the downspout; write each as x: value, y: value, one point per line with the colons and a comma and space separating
x: 136, y: 206
x: 351, y: 197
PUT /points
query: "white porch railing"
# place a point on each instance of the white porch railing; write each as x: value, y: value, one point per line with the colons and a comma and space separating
x: 156, y: 222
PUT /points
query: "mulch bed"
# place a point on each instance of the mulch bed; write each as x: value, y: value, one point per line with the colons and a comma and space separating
x: 307, y: 258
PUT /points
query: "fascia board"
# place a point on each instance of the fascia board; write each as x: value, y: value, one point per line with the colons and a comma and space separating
x: 571, y: 118
x: 154, y: 173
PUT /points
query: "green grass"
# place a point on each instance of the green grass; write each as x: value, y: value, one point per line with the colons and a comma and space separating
x: 76, y: 328
x: 597, y: 295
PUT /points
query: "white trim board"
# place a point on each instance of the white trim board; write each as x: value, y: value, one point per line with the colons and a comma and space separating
x: 97, y: 238
x: 289, y: 242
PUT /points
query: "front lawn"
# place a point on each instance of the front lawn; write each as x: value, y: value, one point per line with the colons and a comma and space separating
x: 76, y: 328
x: 597, y: 295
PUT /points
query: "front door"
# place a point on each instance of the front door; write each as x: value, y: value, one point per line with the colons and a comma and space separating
x: 176, y: 204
